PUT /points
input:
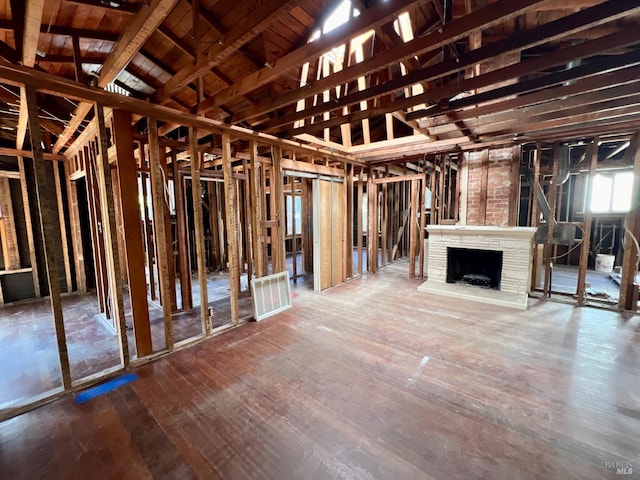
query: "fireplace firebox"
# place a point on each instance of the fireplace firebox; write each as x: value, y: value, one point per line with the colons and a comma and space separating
x: 474, y: 267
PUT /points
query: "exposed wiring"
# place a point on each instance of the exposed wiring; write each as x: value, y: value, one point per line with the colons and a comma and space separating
x: 631, y: 235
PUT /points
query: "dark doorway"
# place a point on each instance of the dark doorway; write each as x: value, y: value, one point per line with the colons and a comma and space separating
x: 85, y: 227
x: 474, y: 267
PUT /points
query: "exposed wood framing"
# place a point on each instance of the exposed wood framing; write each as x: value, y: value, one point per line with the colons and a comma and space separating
x: 33, y: 18
x: 63, y: 231
x: 592, y: 154
x: 158, y: 186
x: 514, y: 197
x: 138, y: 30
x: 196, y: 189
x: 76, y: 233
x: 257, y: 196
x: 231, y: 195
x: 110, y: 233
x: 277, y: 194
x: 628, y: 286
x: 484, y: 177
x: 184, y: 266
x: 412, y: 227
x: 45, y: 194
x: 132, y: 225
x: 8, y: 233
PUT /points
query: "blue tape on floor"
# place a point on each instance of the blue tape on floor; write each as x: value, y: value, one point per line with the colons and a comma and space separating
x: 106, y: 387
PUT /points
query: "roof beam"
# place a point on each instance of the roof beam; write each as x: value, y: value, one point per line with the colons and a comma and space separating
x: 538, y: 64
x: 380, y: 14
x: 582, y: 20
x: 17, y: 75
x: 595, y: 100
x: 599, y: 82
x: 256, y: 22
x: 124, y: 7
x: 137, y: 32
x: 456, y: 30
x: 32, y: 20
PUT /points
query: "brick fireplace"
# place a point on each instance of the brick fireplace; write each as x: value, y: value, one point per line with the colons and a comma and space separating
x: 485, y: 264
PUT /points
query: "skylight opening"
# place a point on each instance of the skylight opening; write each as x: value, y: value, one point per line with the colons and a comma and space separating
x: 341, y: 15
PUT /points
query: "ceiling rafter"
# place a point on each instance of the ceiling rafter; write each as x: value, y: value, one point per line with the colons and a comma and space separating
x: 537, y: 64
x: 456, y: 30
x: 580, y: 87
x: 256, y: 22
x: 582, y: 20
x: 34, y: 9
x: 137, y: 32
x: 377, y: 15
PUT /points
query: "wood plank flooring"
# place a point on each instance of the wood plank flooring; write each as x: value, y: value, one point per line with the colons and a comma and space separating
x: 368, y: 380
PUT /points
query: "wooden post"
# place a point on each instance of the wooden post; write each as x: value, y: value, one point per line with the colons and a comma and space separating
x: 484, y: 179
x: 158, y: 201
x: 373, y: 229
x: 348, y: 222
x: 257, y: 235
x: 535, y: 216
x: 10, y: 250
x: 592, y: 153
x: 230, y: 196
x: 359, y: 219
x: 370, y: 228
x: 132, y: 224
x: 384, y: 220
x: 628, y: 301
x: 168, y: 231
x: 248, y: 215
x: 76, y: 233
x: 196, y: 191
x: 412, y: 228
x: 24, y: 187
x: 184, y: 266
x: 50, y: 239
x: 423, y: 224
x: 94, y: 219
x: 433, y: 220
x: 148, y: 236
x: 216, y: 245
x: 307, y: 226
x: 294, y: 238
x: 63, y: 230
x: 277, y: 191
x: 553, y: 190
x: 514, y: 202
x: 110, y: 236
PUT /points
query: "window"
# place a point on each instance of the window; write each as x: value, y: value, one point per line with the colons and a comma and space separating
x: 297, y: 213
x: 611, y: 192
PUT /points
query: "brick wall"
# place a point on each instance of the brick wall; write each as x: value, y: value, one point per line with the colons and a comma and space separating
x: 497, y: 204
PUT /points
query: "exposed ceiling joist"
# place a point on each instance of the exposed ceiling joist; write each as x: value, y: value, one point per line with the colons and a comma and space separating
x: 582, y: 20
x: 377, y: 15
x: 138, y: 31
x: 34, y: 10
x: 458, y: 29
x: 258, y: 20
x: 538, y: 64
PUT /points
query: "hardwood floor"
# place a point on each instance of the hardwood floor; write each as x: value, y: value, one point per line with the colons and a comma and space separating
x: 29, y: 364
x: 369, y: 380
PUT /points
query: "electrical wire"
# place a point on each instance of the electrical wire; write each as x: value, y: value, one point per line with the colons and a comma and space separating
x: 633, y: 238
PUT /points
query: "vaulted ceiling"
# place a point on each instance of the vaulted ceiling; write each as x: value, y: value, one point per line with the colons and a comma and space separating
x: 437, y: 74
